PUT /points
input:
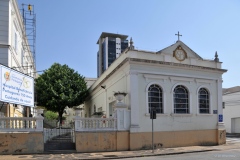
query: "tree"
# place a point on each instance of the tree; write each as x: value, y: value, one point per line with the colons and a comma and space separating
x: 60, y: 86
x: 50, y: 115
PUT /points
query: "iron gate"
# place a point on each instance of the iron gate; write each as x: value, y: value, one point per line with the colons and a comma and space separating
x: 59, y: 139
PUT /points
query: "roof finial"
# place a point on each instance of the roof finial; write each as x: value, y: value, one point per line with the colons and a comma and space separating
x: 178, y: 36
x: 131, y: 44
x: 216, y: 57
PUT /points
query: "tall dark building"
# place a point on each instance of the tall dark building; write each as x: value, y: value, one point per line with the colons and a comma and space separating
x: 110, y: 47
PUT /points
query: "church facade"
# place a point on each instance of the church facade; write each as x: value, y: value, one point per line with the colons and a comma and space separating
x: 184, y: 89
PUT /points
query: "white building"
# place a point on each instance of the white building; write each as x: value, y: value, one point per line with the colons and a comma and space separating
x: 184, y: 88
x: 231, y: 109
x: 15, y: 50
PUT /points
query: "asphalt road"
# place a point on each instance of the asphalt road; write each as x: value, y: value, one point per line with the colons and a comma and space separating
x: 233, y: 154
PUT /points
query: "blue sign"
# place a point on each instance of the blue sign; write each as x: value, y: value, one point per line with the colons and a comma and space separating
x: 220, y: 118
x: 214, y: 111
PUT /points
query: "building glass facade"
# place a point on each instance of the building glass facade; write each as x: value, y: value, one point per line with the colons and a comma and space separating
x: 111, y: 46
x: 111, y: 50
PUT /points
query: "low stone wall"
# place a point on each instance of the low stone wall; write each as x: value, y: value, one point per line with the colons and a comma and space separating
x: 102, y: 141
x: 143, y: 140
x: 21, y: 142
x: 122, y: 141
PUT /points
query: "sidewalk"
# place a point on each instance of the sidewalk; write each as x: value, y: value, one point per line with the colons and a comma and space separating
x: 123, y: 154
x: 157, y: 152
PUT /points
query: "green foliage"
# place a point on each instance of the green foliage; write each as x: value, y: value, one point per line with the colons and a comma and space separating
x: 60, y: 86
x: 51, y: 115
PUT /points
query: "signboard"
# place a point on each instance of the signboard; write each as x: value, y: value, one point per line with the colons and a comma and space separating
x: 16, y: 87
x: 220, y: 118
x: 215, y: 111
x: 153, y: 114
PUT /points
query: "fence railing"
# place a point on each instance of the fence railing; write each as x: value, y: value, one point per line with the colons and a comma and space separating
x: 8, y: 124
x: 90, y: 124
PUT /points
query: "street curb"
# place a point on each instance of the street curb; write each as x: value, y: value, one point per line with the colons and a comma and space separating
x: 151, y: 155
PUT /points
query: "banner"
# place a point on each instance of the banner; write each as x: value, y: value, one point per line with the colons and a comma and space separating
x: 16, y: 87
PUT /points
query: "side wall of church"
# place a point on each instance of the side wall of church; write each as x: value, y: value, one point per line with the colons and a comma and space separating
x: 168, y: 79
x: 103, y: 99
x: 170, y: 129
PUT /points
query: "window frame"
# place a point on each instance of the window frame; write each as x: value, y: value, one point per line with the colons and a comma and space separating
x: 209, y: 97
x: 162, y: 97
x: 187, y: 103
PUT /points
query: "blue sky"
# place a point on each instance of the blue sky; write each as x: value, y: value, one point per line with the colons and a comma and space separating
x: 67, y: 30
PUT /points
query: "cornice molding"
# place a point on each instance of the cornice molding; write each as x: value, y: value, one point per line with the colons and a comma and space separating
x: 175, y: 64
x: 129, y: 60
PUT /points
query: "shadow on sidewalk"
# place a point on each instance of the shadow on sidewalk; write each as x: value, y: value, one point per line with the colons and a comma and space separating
x: 235, y: 135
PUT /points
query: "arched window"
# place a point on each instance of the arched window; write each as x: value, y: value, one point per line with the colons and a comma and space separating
x: 155, y: 99
x: 181, y: 104
x: 203, y: 101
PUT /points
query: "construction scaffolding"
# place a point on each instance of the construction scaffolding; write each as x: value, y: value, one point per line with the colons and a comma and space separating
x: 29, y: 33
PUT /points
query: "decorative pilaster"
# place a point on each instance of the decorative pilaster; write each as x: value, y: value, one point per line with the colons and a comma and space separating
x: 133, y: 100
x: 221, y: 126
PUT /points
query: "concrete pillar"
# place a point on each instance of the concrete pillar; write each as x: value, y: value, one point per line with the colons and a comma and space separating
x: 121, y: 112
x: 8, y: 110
x: 2, y: 121
x: 39, y: 120
x: 77, y: 119
x: 28, y: 111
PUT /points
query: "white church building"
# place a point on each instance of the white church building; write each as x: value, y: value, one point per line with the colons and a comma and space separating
x: 183, y: 88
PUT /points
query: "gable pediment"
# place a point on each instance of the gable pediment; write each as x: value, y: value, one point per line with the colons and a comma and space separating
x: 180, y: 51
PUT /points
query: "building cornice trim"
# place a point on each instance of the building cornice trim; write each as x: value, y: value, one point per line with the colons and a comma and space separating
x: 155, y: 62
x: 175, y: 64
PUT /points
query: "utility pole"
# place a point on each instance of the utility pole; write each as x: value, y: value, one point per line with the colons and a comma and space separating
x: 153, y: 114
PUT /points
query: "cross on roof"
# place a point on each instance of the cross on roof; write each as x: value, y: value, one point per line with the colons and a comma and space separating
x: 178, y: 35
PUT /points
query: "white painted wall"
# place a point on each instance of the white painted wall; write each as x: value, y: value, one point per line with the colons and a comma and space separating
x: 170, y: 121
x: 104, y: 97
x: 231, y: 112
x: 4, y: 16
